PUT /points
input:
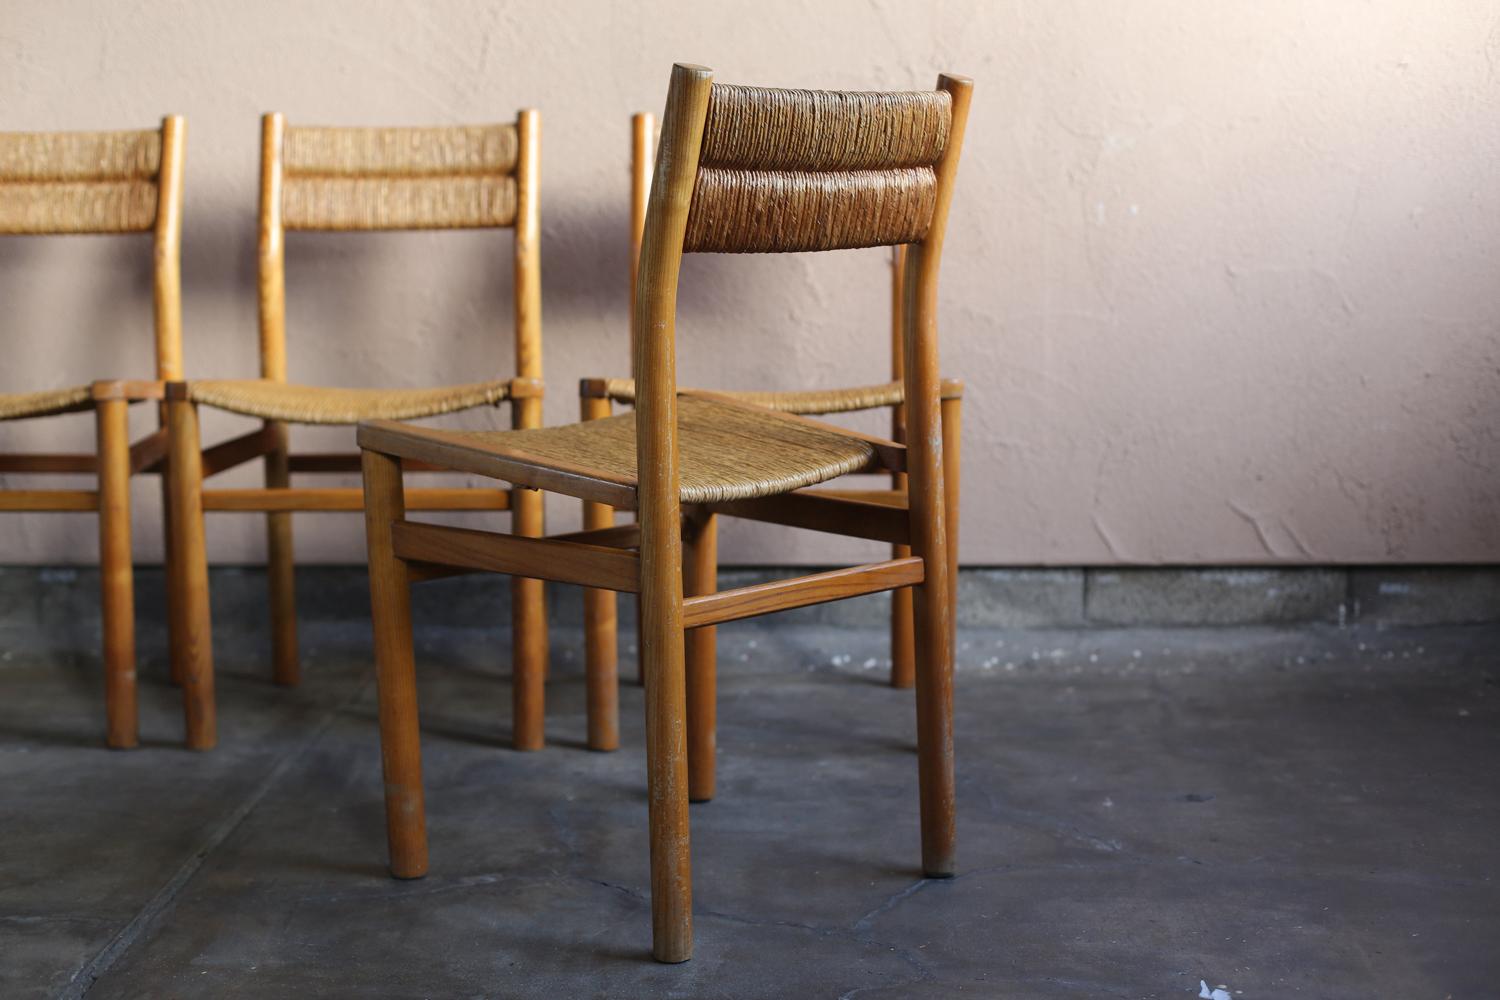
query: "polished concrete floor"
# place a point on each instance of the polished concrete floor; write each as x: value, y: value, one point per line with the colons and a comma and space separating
x: 1308, y: 812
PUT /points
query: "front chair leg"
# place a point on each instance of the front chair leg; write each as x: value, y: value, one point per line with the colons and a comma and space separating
x: 192, y: 640
x: 115, y: 573
x: 700, y: 567
x: 395, y: 671
x: 661, y: 640
x: 281, y: 573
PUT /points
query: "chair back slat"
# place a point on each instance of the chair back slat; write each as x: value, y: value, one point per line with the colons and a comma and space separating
x: 399, y: 178
x: 784, y: 171
x: 424, y: 202
x: 79, y: 182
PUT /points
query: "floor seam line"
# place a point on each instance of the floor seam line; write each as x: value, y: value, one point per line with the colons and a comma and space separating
x: 162, y: 900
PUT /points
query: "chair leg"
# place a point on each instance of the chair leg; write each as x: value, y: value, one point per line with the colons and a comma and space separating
x: 951, y: 410
x: 115, y: 573
x: 528, y: 634
x: 601, y: 627
x: 601, y: 644
x: 395, y: 671
x: 281, y: 573
x: 661, y: 640
x: 700, y: 567
x: 903, y: 644
x: 174, y: 606
x: 192, y: 642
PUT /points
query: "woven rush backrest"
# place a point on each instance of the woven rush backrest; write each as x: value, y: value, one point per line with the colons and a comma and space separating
x: 79, y: 182
x: 795, y: 170
x: 399, y: 178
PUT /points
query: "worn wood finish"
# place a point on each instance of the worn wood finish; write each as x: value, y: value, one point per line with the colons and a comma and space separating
x: 192, y: 642
x: 117, y: 599
x: 661, y: 636
x: 601, y: 655
x: 49, y: 463
x: 818, y: 510
x: 350, y: 498
x: 799, y: 592
x: 700, y: 578
x: 49, y: 500
x: 542, y: 558
x: 931, y: 605
x: 454, y: 450
x: 395, y: 670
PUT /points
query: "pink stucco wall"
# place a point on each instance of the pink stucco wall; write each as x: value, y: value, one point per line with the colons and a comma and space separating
x: 1224, y: 279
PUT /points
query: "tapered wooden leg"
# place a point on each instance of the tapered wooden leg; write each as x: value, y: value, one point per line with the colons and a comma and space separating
x: 700, y: 568
x: 281, y: 573
x: 174, y: 606
x: 528, y: 633
x: 601, y: 634
x: 952, y: 431
x: 934, y: 645
x: 192, y: 643
x: 666, y: 750
x: 115, y: 573
x: 395, y: 671
x: 903, y: 648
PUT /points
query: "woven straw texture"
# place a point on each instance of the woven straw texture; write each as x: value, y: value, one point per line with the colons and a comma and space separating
x: 784, y: 171
x: 432, y: 202
x: 15, y: 405
x: 400, y: 152
x: 399, y: 178
x: 78, y: 182
x: 308, y: 404
x: 808, y: 402
x: 770, y: 211
x: 762, y: 128
x: 727, y: 452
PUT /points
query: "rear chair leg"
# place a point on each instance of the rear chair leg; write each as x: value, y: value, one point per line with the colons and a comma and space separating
x: 115, y: 573
x: 903, y: 643
x: 281, y: 574
x: 700, y: 568
x: 951, y: 410
x: 192, y: 642
x: 601, y: 635
x: 395, y: 671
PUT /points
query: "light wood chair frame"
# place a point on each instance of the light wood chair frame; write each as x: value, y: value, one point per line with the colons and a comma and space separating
x: 597, y: 397
x: 667, y: 543
x: 190, y: 465
x: 94, y: 183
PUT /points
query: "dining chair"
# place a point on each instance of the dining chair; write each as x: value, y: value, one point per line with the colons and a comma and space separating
x: 343, y: 180
x: 739, y: 170
x: 597, y: 399
x: 101, y: 182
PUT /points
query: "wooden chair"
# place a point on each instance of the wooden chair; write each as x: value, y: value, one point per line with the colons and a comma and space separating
x: 739, y: 170
x: 598, y: 396
x: 359, y: 179
x: 101, y: 182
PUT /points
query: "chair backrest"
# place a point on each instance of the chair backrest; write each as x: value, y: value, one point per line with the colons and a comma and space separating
x: 361, y: 179
x: 756, y: 170
x: 642, y: 162
x: 105, y: 182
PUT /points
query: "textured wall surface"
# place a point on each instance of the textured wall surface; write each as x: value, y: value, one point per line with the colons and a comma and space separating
x: 1224, y: 279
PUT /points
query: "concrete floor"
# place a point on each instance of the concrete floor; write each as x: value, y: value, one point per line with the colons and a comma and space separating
x: 1308, y: 812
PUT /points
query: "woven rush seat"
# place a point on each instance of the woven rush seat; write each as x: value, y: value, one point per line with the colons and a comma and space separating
x: 16, y: 405
x: 310, y: 404
x: 804, y: 401
x: 727, y: 451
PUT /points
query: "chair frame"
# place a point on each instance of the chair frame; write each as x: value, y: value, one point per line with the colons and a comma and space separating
x: 653, y: 556
x: 601, y: 611
x: 115, y: 458
x: 278, y: 499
